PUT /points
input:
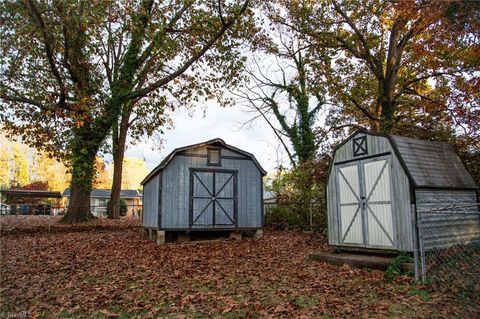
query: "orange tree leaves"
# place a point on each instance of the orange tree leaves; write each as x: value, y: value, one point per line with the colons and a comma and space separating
x: 393, y: 65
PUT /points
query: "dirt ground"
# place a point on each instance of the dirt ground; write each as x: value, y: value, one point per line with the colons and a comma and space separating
x: 106, y: 269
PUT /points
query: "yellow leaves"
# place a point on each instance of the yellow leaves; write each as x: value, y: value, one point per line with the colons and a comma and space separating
x: 51, y: 170
x: 134, y: 171
x: 79, y: 123
x: 20, y: 164
x: 103, y: 177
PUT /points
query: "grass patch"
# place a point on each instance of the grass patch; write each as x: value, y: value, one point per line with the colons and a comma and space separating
x: 397, y: 309
x: 424, y: 294
x: 304, y: 302
x: 395, y: 268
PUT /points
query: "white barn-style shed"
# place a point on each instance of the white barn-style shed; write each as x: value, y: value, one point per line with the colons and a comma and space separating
x: 377, y: 184
x: 204, y: 187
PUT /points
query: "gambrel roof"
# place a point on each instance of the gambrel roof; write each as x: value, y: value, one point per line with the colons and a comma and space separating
x: 432, y: 164
x: 213, y: 142
x: 428, y: 164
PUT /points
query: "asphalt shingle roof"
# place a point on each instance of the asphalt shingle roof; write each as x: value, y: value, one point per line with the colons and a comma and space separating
x: 105, y: 193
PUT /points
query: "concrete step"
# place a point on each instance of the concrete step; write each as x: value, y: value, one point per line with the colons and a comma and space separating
x: 356, y: 260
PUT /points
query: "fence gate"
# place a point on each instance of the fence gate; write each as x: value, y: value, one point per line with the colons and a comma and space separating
x: 213, y: 198
x: 365, y: 206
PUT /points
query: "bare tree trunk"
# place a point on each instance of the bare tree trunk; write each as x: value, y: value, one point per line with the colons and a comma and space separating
x: 119, y: 141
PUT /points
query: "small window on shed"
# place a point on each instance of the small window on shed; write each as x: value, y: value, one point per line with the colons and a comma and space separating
x: 213, y: 156
x: 360, y: 146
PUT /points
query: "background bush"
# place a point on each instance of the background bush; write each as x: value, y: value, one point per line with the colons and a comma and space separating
x: 298, y: 192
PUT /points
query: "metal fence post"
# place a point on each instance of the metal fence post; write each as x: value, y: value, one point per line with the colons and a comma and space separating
x: 415, y: 243
x: 311, y: 215
x: 422, y: 249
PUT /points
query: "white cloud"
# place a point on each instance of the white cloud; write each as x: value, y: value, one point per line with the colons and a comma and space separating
x: 216, y: 121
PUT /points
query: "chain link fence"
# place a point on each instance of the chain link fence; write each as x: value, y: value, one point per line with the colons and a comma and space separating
x: 449, y: 249
x: 291, y: 214
x: 52, y: 210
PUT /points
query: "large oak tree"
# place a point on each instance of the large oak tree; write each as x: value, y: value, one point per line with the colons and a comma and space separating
x: 69, y: 68
x: 398, y: 64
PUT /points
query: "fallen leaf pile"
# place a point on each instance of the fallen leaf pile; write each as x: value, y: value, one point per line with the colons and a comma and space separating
x: 106, y: 269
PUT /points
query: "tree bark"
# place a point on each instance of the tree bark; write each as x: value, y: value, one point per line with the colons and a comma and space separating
x: 119, y: 141
x: 79, y: 206
x: 386, y: 102
x: 386, y: 118
x: 83, y: 171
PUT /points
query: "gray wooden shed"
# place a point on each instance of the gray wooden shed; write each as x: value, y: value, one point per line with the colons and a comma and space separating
x: 205, y: 186
x: 379, y: 183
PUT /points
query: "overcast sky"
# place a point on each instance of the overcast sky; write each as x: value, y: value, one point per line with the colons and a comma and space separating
x: 224, y: 123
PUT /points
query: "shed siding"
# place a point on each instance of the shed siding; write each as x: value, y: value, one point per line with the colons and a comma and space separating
x: 176, y: 189
x: 401, y: 200
x: 202, y: 150
x: 375, y: 144
x: 150, y: 202
x: 226, y: 152
x: 443, y: 225
x: 332, y: 200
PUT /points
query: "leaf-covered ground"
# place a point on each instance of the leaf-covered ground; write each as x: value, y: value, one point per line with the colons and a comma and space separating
x: 105, y: 269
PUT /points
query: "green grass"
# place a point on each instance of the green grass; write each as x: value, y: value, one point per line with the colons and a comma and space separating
x: 424, y: 294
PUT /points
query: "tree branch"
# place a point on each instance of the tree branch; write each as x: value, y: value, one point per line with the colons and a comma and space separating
x: 148, y: 51
x: 21, y: 99
x: 368, y: 56
x: 193, y: 59
x: 38, y: 20
x: 275, y: 130
x: 365, y: 111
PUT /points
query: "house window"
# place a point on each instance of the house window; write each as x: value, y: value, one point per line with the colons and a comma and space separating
x: 213, y: 155
x: 360, y: 146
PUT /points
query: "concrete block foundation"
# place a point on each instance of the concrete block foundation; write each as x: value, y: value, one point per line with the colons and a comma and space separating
x: 258, y: 233
x: 155, y: 235
x: 160, y: 237
x: 235, y: 235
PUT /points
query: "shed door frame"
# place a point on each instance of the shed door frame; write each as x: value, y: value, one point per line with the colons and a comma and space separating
x: 214, y: 198
x: 364, y: 203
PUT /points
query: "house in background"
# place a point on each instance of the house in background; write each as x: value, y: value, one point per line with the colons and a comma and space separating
x: 100, y: 197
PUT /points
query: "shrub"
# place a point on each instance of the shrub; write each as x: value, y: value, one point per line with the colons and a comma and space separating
x: 395, y: 268
x: 300, y: 194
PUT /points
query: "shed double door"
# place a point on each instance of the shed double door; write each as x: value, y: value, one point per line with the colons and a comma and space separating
x: 213, y: 198
x: 365, y: 203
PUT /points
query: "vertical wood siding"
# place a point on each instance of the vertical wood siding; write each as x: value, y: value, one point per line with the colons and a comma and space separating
x: 202, y: 150
x: 401, y: 201
x: 150, y: 203
x: 378, y: 192
x: 175, y: 203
